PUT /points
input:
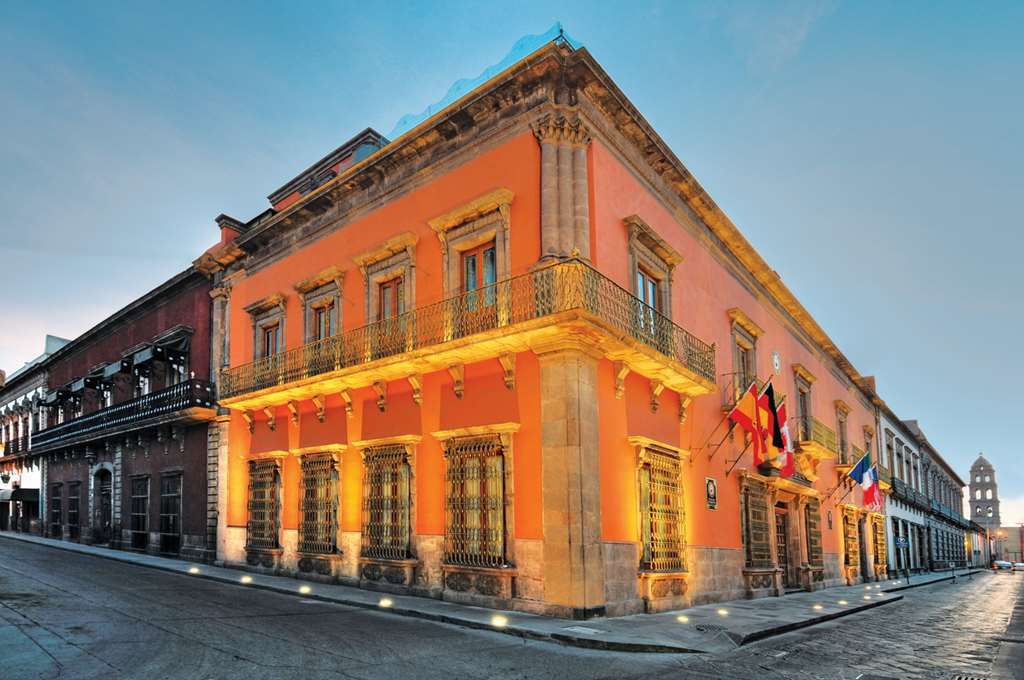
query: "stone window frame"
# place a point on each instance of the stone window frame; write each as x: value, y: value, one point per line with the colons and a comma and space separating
x: 504, y: 432
x: 646, y: 448
x: 842, y: 430
x: 322, y: 289
x: 745, y: 334
x: 802, y: 382
x: 652, y: 254
x: 264, y: 314
x: 395, y: 257
x: 334, y: 454
x: 485, y: 218
x: 409, y: 443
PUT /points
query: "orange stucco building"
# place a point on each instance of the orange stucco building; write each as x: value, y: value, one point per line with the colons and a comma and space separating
x: 490, y: 361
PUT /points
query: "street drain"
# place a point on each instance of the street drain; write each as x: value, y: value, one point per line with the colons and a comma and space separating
x: 709, y: 628
x: 968, y: 677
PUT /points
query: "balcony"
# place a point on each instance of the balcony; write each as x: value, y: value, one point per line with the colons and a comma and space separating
x: 189, y: 401
x: 817, y: 438
x: 566, y: 301
x: 16, y: 446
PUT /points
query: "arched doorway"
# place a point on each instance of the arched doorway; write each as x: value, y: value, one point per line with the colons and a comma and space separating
x: 102, y: 519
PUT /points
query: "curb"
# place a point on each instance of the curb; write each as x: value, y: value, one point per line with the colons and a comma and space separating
x: 934, y: 581
x: 464, y: 622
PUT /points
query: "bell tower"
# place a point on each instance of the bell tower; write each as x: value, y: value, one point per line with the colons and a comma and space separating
x: 984, y: 494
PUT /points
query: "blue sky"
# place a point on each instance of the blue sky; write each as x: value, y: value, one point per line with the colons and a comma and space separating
x: 872, y: 153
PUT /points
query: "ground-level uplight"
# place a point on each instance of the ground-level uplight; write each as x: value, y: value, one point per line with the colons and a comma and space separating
x: 867, y: 597
x: 499, y: 621
x: 246, y: 579
x: 193, y: 570
x: 385, y: 602
x: 305, y: 590
x: 723, y: 612
x: 818, y: 607
x: 843, y: 602
x: 683, y: 619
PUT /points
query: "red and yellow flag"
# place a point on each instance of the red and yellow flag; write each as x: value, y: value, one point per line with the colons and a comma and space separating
x: 746, y: 414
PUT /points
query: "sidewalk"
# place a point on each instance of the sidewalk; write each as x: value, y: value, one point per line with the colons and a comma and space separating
x: 708, y: 628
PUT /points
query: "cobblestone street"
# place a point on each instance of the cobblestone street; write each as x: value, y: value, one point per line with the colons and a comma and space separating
x: 74, y: 616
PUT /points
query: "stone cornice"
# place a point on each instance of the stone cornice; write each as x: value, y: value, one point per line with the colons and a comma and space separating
x: 551, y: 72
x: 333, y: 273
x: 267, y: 303
x: 385, y: 250
x: 643, y: 233
x: 489, y: 202
x: 740, y: 318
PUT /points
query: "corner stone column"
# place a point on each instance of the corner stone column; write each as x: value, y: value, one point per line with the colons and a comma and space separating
x: 570, y: 449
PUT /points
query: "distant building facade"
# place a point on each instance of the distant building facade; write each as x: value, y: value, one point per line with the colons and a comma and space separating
x: 125, y: 430
x: 21, y: 397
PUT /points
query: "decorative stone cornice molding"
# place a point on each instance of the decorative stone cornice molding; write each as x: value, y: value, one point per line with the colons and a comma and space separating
x: 476, y: 431
x: 801, y: 371
x: 332, y: 273
x: 643, y: 444
x: 842, y: 406
x: 497, y: 200
x: 642, y: 233
x: 740, y: 318
x: 279, y: 300
x: 394, y: 245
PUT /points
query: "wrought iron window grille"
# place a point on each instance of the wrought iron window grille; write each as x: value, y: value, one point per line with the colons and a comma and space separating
x: 661, y: 512
x: 475, y: 502
x: 264, y: 505
x: 318, y: 505
x: 386, y: 532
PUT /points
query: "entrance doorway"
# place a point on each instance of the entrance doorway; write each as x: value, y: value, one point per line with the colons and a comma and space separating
x: 865, y: 566
x: 103, y: 506
x: 782, y: 545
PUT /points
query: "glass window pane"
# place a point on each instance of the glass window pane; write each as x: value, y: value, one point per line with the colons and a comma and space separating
x: 469, y: 272
x: 490, y: 267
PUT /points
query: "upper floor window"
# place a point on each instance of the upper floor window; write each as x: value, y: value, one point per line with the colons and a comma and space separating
x: 652, y: 264
x: 143, y: 383
x: 475, y: 243
x: 391, y: 298
x: 268, y: 324
x: 177, y: 371
x: 841, y: 415
x: 647, y: 289
x: 106, y: 395
x: 270, y: 340
x: 988, y: 494
x: 988, y: 478
x: 977, y: 494
x: 899, y: 472
x: 803, y: 407
x: 321, y: 303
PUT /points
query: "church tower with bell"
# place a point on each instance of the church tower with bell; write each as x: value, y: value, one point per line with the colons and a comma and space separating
x: 984, y: 494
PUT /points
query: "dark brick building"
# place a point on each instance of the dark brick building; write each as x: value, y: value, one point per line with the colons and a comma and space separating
x: 126, y: 426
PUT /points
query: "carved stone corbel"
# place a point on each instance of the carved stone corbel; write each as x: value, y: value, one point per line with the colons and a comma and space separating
x: 293, y: 409
x: 271, y: 415
x: 621, y: 371
x: 381, y: 388
x: 458, y: 374
x: 684, y: 404
x: 656, y: 389
x: 143, y: 443
x: 346, y: 396
x: 508, y: 363
x: 321, y: 407
x: 416, y: 382
x: 249, y: 423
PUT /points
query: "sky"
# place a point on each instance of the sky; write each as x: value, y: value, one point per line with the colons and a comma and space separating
x: 870, y: 151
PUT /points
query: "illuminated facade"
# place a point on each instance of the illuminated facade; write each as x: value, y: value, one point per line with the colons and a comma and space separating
x: 489, y: 361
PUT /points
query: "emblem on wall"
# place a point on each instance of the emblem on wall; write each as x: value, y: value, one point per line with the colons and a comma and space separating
x: 711, y: 492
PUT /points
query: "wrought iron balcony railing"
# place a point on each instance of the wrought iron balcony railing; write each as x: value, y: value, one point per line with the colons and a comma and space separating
x: 188, y: 394
x: 813, y: 430
x: 564, y: 287
x: 16, y: 445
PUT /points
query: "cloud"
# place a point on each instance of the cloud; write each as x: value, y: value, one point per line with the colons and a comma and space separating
x: 769, y: 35
x: 1011, y: 511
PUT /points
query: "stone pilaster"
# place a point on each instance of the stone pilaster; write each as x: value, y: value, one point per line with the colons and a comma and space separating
x: 573, y: 562
x: 565, y: 208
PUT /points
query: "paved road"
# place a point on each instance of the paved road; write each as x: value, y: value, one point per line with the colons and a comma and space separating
x: 75, y: 616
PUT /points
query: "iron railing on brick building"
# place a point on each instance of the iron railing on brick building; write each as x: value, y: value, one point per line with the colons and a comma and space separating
x: 568, y: 286
x: 188, y: 394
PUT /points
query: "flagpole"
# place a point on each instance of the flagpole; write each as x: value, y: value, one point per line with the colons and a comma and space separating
x: 739, y: 457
